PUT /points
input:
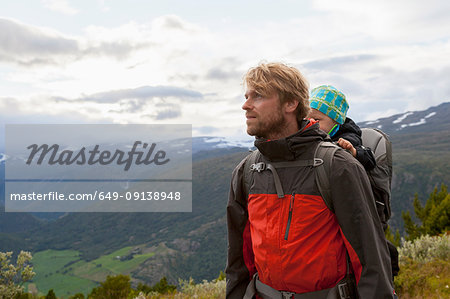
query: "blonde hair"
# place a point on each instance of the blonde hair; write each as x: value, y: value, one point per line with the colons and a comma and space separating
x: 288, y: 82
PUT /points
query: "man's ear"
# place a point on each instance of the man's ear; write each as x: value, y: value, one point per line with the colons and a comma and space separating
x: 290, y: 106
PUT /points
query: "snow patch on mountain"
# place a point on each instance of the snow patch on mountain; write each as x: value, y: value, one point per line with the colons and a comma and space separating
x: 421, y: 122
x: 430, y: 115
x: 214, y: 142
x: 372, y: 122
x: 222, y: 142
x: 213, y: 139
x: 402, y: 118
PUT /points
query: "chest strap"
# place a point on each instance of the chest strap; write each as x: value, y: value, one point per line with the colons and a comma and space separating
x: 272, y: 166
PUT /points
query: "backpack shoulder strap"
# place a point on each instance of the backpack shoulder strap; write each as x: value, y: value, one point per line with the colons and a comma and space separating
x: 324, y: 156
x: 248, y: 172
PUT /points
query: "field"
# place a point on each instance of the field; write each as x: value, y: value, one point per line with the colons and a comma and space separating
x: 65, y: 273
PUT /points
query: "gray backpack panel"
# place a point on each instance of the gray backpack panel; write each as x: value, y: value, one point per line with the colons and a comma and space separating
x: 381, y: 176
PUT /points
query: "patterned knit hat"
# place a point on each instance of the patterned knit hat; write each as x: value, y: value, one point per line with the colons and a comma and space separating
x: 329, y: 101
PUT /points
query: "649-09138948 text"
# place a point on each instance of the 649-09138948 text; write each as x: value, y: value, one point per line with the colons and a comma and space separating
x: 102, y: 195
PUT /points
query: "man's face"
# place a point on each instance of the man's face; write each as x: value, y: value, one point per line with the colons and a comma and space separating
x: 325, y: 122
x: 264, y: 115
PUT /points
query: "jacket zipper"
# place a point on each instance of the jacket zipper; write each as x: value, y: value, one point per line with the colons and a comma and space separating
x: 291, y: 208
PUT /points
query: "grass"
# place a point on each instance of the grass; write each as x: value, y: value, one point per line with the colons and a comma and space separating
x: 98, y: 269
x: 111, y: 263
x: 424, y: 280
x: 49, y: 268
x: 65, y: 273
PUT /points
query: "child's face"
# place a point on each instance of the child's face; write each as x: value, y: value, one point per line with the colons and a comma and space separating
x: 325, y: 122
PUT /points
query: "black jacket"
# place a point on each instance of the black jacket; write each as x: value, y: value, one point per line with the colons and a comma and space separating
x: 308, y: 253
x: 351, y: 132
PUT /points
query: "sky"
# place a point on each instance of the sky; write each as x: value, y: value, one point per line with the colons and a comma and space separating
x: 182, y: 62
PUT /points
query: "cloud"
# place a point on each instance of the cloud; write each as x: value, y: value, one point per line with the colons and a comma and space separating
x: 384, y: 56
x: 172, y: 112
x: 166, y: 38
x: 142, y: 93
x: 16, y: 111
x: 103, y: 6
x: 25, y: 44
x: 335, y: 63
x: 117, y: 49
x: 61, y: 6
x: 391, y: 90
x: 164, y: 102
x: 28, y: 45
x: 390, y: 21
x: 173, y: 22
x: 217, y: 73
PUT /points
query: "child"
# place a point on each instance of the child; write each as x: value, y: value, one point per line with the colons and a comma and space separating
x: 329, y: 108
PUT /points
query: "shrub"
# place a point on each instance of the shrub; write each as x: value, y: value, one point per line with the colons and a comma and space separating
x: 13, y: 276
x: 425, y: 249
x: 203, y: 290
x: 424, y: 268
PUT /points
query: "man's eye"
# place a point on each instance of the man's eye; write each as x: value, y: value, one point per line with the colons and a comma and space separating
x: 257, y: 95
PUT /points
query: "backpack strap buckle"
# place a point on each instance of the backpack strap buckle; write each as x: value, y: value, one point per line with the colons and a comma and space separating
x: 344, y: 292
x: 258, y: 166
x: 317, y: 162
x: 287, y: 295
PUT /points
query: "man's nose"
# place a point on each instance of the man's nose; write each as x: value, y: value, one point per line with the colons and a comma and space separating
x: 247, y: 104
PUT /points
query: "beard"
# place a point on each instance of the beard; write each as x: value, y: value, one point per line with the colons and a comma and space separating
x: 271, y: 125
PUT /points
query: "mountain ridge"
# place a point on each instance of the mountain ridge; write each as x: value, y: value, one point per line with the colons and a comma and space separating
x: 413, y: 121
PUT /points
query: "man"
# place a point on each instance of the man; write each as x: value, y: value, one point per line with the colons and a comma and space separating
x: 283, y: 241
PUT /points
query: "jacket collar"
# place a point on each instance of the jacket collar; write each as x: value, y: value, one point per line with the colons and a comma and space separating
x: 291, y: 147
x: 349, y: 126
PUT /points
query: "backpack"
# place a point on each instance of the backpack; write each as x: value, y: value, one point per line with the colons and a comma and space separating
x: 380, y: 177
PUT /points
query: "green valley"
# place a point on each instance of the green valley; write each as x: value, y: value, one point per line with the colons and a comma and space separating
x: 66, y: 273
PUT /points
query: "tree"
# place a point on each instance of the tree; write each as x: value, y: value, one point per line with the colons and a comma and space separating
x: 50, y: 295
x: 12, y: 277
x: 393, y: 238
x: 221, y: 277
x: 434, y: 216
x: 162, y: 287
x: 114, y: 287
